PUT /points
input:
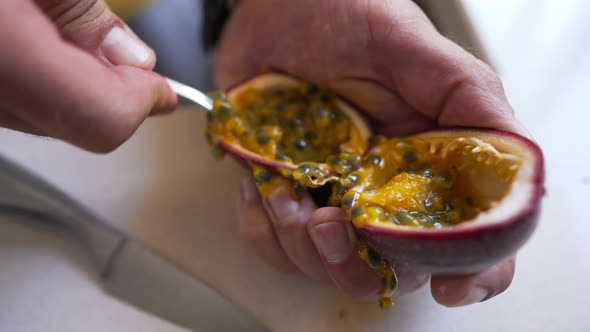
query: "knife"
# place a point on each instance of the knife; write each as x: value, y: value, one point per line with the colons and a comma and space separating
x: 129, y: 270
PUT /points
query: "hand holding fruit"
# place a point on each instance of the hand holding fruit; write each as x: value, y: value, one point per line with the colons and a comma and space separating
x: 388, y: 59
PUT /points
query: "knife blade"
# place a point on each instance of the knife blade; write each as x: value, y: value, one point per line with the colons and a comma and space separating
x: 147, y: 280
x: 129, y: 269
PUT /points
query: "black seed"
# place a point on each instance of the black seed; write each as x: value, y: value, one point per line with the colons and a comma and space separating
x: 449, y: 206
x: 373, y: 258
x: 404, y: 218
x: 335, y: 161
x: 223, y: 111
x: 446, y: 176
x: 263, y: 176
x: 343, y: 168
x: 262, y: 139
x: 394, y: 220
x: 334, y: 116
x: 304, y: 169
x: 296, y: 123
x: 312, y: 88
x: 310, y: 135
x: 320, y: 113
x: 351, y: 180
x: 373, y: 159
x: 347, y: 201
x: 299, y: 188
x: 428, y: 204
x: 410, y: 157
x: 469, y: 201
x: 324, y: 96
x: 357, y: 212
x: 428, y: 173
x: 300, y: 144
x: 353, y: 161
x: 421, y: 217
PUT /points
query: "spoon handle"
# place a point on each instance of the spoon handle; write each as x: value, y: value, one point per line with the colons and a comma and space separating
x: 191, y: 94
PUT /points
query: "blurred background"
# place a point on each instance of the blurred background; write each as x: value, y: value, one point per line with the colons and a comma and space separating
x: 153, y: 188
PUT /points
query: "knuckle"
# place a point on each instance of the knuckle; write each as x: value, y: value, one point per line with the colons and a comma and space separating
x: 68, y: 11
x: 79, y: 20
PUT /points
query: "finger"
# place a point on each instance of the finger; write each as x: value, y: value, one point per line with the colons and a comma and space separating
x: 11, y: 121
x: 69, y: 94
x: 454, y: 291
x: 391, y: 114
x: 434, y: 75
x: 256, y: 230
x: 336, y: 242
x: 289, y: 217
x: 91, y: 25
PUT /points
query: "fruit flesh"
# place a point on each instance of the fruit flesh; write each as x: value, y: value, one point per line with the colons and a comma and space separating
x: 293, y: 124
x: 428, y: 183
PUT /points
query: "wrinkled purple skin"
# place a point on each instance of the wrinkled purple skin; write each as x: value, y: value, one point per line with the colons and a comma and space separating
x: 452, y: 251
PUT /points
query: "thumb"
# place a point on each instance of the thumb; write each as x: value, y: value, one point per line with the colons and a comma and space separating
x: 92, y: 26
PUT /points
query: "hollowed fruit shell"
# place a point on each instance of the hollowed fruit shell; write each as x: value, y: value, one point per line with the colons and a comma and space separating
x: 512, y: 190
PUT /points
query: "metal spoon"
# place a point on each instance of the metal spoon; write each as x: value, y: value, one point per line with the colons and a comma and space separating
x: 191, y: 94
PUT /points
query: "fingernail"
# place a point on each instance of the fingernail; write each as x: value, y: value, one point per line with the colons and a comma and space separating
x: 249, y: 190
x: 284, y: 209
x: 475, y: 294
x: 121, y: 48
x: 332, y: 240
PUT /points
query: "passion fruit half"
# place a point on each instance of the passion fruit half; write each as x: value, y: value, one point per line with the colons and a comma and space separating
x: 289, y: 126
x: 449, y: 201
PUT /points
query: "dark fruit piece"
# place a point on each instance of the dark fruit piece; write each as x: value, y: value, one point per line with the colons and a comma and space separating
x: 284, y: 124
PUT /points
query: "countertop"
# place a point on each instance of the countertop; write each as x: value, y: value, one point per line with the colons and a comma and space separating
x: 164, y: 187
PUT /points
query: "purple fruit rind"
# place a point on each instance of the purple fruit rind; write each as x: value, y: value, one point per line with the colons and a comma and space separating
x: 461, y: 250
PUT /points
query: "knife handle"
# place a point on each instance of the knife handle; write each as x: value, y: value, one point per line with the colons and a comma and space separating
x: 25, y: 194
